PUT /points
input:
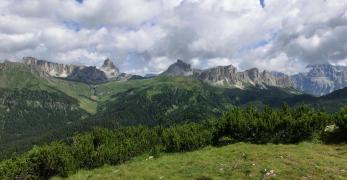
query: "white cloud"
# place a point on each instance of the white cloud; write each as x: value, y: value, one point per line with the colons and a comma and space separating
x: 145, y: 36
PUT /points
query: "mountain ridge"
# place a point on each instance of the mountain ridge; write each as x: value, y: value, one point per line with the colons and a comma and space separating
x: 321, y: 79
x: 88, y: 74
x: 229, y: 76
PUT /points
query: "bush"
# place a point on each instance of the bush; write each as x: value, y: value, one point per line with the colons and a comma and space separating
x: 337, y: 131
x: 50, y: 160
x: 101, y: 146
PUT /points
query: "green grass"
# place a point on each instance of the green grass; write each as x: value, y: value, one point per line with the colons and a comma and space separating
x: 238, y: 161
x: 77, y: 90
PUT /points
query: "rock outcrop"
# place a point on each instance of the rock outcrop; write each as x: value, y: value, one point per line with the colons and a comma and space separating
x: 110, y: 69
x: 229, y: 76
x: 53, y: 69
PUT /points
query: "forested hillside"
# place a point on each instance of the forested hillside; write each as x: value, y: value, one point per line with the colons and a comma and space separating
x: 27, y: 115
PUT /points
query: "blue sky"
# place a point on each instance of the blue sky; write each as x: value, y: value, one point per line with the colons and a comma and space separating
x: 262, y: 3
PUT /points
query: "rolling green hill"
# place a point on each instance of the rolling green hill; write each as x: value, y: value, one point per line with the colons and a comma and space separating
x: 166, y: 100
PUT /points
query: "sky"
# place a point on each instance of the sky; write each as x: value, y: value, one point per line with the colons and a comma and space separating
x: 146, y: 36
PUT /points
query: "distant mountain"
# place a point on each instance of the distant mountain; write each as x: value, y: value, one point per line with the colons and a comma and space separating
x: 229, y: 76
x: 321, y: 79
x: 88, y: 74
x: 53, y: 69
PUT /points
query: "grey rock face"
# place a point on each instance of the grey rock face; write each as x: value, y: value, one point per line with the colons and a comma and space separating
x: 110, y: 69
x: 321, y: 79
x: 89, y: 74
x: 180, y: 68
x: 53, y: 69
x: 228, y: 75
x: 86, y: 74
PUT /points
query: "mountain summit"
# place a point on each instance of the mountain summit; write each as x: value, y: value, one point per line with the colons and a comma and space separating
x: 110, y: 69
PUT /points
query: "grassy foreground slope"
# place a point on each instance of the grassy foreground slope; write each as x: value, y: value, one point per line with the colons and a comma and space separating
x: 237, y: 161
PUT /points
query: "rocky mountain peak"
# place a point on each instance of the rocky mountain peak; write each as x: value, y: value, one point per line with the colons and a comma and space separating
x: 110, y: 69
x: 108, y: 64
x: 179, y: 68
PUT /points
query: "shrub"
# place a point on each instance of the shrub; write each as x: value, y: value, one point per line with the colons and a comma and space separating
x: 100, y: 146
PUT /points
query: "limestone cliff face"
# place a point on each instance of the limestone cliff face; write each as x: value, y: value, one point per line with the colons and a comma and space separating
x: 321, y: 79
x: 53, y: 69
x: 88, y: 74
x: 228, y: 75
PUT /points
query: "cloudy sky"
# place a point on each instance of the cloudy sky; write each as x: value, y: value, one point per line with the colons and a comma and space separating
x: 146, y: 36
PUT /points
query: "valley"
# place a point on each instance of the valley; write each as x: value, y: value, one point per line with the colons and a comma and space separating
x: 44, y: 107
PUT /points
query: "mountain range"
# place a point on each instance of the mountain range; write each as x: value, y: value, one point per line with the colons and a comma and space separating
x: 321, y: 79
x: 41, y: 101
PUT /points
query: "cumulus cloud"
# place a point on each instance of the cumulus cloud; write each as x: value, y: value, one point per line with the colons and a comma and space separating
x: 146, y: 36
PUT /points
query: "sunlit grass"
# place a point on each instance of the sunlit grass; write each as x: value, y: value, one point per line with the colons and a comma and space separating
x: 238, y: 161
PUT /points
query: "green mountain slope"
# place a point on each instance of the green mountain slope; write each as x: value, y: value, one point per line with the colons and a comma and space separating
x: 331, y: 102
x: 20, y: 76
x: 237, y: 161
x: 27, y: 115
x: 33, y: 105
x: 167, y: 100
